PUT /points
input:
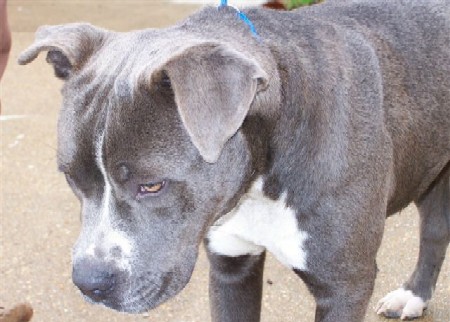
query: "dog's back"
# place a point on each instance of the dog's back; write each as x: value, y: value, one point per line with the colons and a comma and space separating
x: 408, y: 42
x: 412, y: 43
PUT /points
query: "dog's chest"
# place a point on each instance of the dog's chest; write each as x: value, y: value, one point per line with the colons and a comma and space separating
x: 258, y: 223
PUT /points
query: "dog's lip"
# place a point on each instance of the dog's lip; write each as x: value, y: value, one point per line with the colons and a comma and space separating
x: 142, y: 299
x: 110, y: 303
x: 149, y: 296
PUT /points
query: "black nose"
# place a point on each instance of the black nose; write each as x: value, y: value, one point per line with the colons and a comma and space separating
x: 94, y: 279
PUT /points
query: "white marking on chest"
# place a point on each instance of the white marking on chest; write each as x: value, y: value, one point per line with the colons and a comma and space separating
x: 259, y: 223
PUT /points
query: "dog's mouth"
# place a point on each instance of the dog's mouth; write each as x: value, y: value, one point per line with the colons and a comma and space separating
x: 153, y: 291
x: 142, y: 294
x: 150, y: 293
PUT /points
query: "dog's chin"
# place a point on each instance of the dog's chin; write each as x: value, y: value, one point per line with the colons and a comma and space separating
x: 143, y: 304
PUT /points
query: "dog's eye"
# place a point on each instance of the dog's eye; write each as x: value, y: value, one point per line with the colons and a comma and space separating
x: 151, y: 188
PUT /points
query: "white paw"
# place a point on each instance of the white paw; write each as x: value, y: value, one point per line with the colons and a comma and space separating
x: 401, y: 304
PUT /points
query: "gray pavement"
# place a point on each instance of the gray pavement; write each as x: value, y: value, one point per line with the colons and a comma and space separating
x: 40, y: 216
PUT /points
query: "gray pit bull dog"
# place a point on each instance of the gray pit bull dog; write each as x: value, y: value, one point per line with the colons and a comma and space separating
x: 299, y: 141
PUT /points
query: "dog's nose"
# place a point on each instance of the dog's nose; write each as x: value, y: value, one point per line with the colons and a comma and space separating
x: 94, y: 279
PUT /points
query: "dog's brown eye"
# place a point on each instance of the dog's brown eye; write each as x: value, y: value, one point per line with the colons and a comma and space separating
x: 151, y: 188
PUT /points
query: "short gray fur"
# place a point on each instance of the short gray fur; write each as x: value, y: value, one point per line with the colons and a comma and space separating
x: 343, y: 106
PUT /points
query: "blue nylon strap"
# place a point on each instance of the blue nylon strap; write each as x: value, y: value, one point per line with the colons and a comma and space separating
x: 242, y: 16
x: 245, y: 19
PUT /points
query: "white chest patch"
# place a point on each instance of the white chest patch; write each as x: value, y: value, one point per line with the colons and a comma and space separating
x: 258, y: 223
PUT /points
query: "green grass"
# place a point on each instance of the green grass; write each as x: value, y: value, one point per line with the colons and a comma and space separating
x: 292, y: 4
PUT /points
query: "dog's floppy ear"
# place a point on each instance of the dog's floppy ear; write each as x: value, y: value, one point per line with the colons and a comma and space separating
x: 69, y: 46
x: 214, y: 87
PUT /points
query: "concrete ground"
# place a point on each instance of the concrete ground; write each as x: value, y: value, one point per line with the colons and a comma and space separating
x: 39, y: 214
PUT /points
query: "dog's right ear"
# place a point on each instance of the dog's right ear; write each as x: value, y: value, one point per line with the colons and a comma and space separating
x: 214, y: 87
x: 69, y: 46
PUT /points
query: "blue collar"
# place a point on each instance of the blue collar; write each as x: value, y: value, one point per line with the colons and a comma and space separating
x: 242, y: 16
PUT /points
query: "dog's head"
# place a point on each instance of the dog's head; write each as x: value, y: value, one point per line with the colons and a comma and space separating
x: 150, y: 140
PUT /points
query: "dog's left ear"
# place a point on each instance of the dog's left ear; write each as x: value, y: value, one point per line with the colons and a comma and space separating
x: 214, y: 87
x: 69, y: 46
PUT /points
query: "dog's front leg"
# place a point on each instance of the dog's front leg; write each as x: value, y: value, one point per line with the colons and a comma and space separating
x: 341, y: 267
x: 341, y: 299
x: 235, y: 287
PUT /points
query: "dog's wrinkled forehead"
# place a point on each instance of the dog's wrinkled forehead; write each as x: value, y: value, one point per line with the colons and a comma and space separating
x: 129, y: 60
x: 125, y: 58
x: 105, y: 93
x: 213, y: 83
